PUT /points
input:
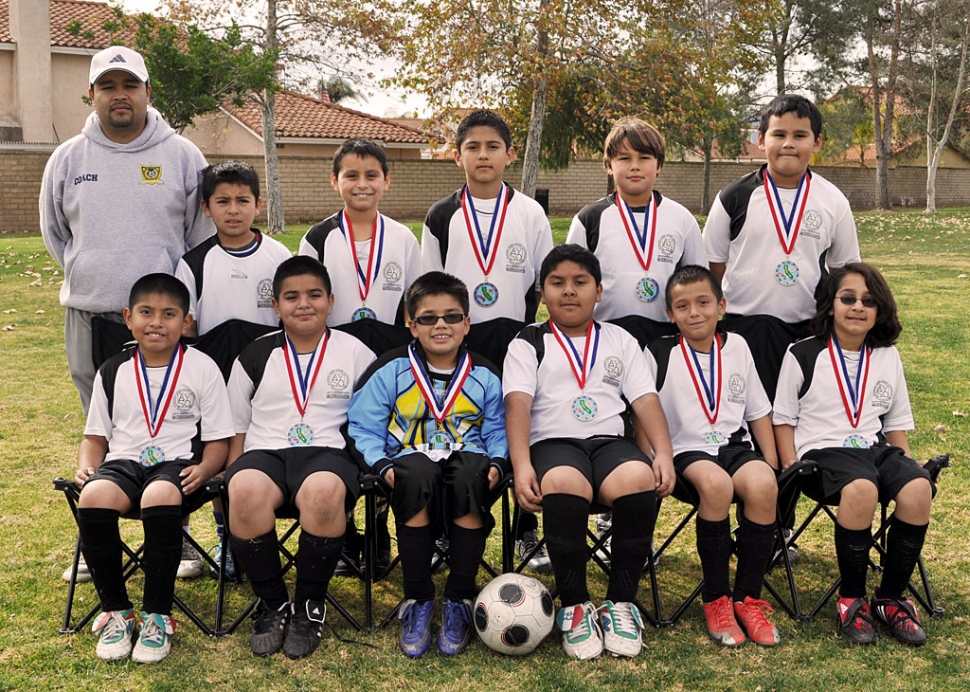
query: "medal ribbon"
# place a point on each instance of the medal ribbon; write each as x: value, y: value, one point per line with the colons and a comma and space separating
x: 642, y: 241
x: 856, y: 394
x: 364, y: 278
x: 793, y: 222
x: 485, y: 252
x: 306, y: 379
x: 710, y: 397
x: 585, y: 364
x: 423, y: 380
x: 155, y: 412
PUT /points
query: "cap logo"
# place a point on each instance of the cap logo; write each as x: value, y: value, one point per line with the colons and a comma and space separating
x: 118, y: 58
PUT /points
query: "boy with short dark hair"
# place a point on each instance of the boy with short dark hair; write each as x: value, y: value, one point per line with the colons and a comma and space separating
x: 715, y: 403
x: 639, y: 236
x: 495, y: 238
x: 290, y: 392
x: 229, y: 277
x: 429, y: 419
x: 151, y: 407
x: 567, y: 383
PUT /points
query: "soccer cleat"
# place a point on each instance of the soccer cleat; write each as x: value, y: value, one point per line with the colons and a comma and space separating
x: 899, y: 614
x: 191, y: 565
x: 539, y: 562
x: 415, y: 617
x: 155, y: 639
x: 438, y: 561
x: 269, y: 628
x: 752, y: 615
x: 83, y: 573
x: 792, y: 550
x: 115, y: 629
x: 855, y: 621
x: 721, y: 623
x: 230, y: 563
x: 581, y: 635
x: 456, y: 631
x: 622, y: 625
x: 306, y: 629
x: 603, y: 523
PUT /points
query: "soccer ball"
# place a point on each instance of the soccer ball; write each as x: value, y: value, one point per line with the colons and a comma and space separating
x: 513, y: 614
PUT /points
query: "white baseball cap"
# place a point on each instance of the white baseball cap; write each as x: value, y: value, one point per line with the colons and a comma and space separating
x: 117, y: 58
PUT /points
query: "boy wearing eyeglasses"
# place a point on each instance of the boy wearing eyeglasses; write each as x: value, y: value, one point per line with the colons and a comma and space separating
x: 429, y: 419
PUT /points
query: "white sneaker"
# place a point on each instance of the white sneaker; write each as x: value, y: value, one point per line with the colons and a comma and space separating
x: 191, y: 564
x: 539, y: 562
x: 83, y: 573
x: 604, y: 522
x: 622, y: 625
x: 114, y: 628
x: 581, y: 635
x: 155, y: 639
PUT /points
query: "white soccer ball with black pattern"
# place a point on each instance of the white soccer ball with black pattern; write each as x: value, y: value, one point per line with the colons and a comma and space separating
x: 513, y: 614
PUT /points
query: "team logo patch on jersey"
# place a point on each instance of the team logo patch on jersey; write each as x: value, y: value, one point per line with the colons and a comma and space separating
x: 882, y: 394
x: 393, y: 273
x: 338, y: 381
x: 151, y: 175
x: 264, y: 293
x: 183, y: 402
x: 238, y: 274
x: 516, y: 255
x: 612, y: 371
x: 812, y: 220
x: 736, y: 387
x: 667, y: 246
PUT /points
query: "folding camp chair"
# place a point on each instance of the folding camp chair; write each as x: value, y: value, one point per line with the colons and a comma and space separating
x: 791, y: 602
x: 132, y: 564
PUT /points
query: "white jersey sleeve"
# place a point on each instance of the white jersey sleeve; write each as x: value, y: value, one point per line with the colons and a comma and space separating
x: 99, y: 422
x: 184, y: 274
x: 430, y: 251
x: 717, y: 233
x: 520, y: 370
x: 240, y: 389
x: 786, y: 407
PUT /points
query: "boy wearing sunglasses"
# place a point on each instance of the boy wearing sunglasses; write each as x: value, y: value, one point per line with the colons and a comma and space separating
x: 429, y: 419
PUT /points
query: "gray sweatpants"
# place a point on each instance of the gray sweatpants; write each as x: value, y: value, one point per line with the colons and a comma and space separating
x: 78, y: 342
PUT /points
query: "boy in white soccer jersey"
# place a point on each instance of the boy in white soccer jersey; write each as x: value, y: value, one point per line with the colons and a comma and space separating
x: 566, y: 384
x: 429, y: 418
x: 494, y: 238
x: 842, y: 402
x: 772, y: 235
x: 639, y: 236
x: 229, y: 277
x: 715, y: 403
x: 290, y: 392
x: 152, y: 408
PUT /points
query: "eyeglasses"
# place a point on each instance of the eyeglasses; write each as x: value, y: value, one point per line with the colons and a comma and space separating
x: 431, y: 320
x: 868, y: 301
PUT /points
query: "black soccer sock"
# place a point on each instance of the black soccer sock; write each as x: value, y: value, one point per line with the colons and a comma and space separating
x: 903, y: 546
x: 259, y: 558
x: 714, y: 549
x: 316, y: 561
x: 755, y: 542
x: 852, y: 551
x: 415, y: 545
x: 163, y: 550
x: 101, y: 547
x: 634, y: 518
x: 466, y: 549
x: 564, y: 518
x: 527, y: 522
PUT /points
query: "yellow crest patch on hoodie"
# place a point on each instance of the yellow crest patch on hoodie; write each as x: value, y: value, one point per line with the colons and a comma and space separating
x: 151, y: 175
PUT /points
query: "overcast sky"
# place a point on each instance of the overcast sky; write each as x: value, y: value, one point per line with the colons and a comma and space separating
x: 379, y: 102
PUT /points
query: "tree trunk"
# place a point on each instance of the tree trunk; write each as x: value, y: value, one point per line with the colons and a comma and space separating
x: 275, y: 222
x: 537, y: 116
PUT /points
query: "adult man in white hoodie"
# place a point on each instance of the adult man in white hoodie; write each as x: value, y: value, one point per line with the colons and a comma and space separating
x: 118, y: 201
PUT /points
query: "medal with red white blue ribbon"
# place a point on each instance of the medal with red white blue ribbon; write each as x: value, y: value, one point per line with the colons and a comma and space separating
x: 486, y: 249
x: 301, y: 384
x: 365, y: 277
x: 584, y: 406
x: 787, y: 227
x: 440, y: 438
x: 708, y: 393
x: 155, y: 410
x: 853, y: 393
x: 647, y: 288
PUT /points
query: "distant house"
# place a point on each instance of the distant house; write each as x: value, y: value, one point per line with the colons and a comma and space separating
x: 44, y: 77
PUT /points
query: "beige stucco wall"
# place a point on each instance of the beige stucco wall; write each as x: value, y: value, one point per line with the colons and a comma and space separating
x: 8, y: 105
x: 69, y: 85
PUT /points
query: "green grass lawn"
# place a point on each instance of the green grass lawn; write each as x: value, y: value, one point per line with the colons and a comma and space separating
x: 926, y: 261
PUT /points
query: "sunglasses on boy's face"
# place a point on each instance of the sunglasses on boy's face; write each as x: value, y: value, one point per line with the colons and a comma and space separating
x: 431, y: 320
x: 868, y: 301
